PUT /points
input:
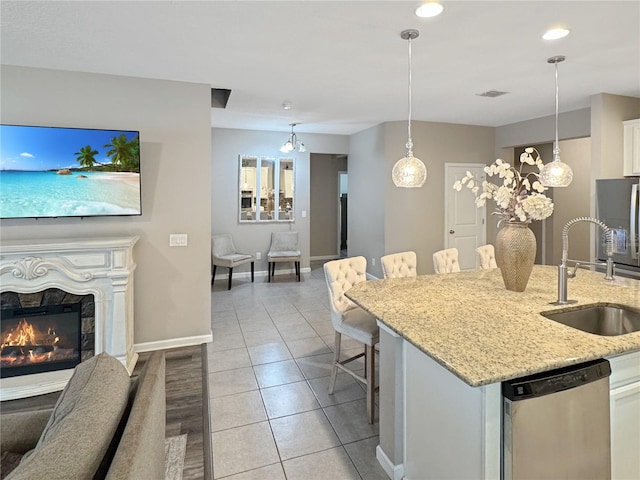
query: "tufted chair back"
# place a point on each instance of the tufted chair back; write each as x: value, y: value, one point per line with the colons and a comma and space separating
x: 446, y: 261
x: 341, y: 275
x: 403, y: 264
x: 486, y: 257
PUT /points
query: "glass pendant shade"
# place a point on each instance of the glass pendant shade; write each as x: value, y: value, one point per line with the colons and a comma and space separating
x: 556, y: 173
x: 409, y: 172
x: 287, y: 147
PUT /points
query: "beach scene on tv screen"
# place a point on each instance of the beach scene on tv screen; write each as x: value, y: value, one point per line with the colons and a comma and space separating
x: 60, y: 172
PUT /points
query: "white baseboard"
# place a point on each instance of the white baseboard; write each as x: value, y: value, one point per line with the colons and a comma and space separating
x: 261, y: 273
x: 395, y: 472
x: 172, y: 343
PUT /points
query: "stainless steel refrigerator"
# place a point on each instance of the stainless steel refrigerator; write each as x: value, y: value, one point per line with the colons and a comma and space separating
x: 617, y: 203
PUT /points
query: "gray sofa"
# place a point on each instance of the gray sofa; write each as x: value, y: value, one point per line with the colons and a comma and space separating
x: 104, y: 425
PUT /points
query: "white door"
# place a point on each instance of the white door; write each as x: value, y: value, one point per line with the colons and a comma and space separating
x: 464, y: 227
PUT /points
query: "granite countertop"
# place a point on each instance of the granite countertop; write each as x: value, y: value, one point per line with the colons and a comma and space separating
x: 483, y: 333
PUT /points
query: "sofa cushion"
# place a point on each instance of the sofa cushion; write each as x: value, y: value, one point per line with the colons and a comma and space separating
x: 141, y: 450
x: 82, y: 424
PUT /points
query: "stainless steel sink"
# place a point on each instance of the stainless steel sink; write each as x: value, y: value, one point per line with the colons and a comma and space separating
x: 601, y: 319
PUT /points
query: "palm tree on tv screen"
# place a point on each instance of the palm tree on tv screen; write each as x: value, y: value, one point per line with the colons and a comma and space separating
x: 124, y: 153
x: 86, y: 157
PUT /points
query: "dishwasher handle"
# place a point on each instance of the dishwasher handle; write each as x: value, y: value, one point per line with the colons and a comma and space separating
x: 554, y: 381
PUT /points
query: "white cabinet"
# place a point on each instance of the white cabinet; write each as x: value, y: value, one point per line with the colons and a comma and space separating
x: 631, y: 147
x: 625, y: 416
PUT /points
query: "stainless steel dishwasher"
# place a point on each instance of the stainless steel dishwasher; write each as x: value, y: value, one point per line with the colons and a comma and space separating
x: 555, y: 425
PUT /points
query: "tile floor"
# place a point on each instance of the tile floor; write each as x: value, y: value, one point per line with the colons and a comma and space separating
x: 269, y: 367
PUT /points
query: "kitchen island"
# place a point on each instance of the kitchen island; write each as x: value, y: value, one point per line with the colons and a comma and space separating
x: 447, y: 341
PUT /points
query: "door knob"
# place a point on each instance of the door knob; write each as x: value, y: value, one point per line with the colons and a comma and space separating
x: 452, y: 232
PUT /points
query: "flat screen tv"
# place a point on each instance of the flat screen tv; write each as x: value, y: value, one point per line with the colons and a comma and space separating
x: 68, y: 172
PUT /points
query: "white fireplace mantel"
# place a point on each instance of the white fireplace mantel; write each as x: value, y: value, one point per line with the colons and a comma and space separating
x: 102, y: 267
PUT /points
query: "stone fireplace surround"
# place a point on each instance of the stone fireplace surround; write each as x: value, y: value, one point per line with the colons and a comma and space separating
x: 102, y: 267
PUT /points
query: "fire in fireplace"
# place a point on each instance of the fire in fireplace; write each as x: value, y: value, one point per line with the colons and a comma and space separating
x: 39, y: 339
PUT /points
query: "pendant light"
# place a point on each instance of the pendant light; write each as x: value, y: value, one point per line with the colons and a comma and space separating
x: 409, y: 171
x: 293, y: 142
x: 556, y: 173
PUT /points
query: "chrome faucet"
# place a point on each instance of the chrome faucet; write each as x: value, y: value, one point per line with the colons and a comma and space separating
x: 563, y: 269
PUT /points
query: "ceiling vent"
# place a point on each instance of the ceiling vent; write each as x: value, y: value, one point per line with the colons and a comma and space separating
x: 492, y: 94
x: 219, y: 97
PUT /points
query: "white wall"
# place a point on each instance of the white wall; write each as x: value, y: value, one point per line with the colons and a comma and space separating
x: 226, y: 147
x: 172, y: 285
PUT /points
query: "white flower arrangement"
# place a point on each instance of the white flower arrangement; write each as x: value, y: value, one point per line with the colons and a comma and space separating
x: 520, y: 198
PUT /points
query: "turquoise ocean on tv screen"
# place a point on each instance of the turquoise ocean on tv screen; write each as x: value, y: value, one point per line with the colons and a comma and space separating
x: 47, y: 194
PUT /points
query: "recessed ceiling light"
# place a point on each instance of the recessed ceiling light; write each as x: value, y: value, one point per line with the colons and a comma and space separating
x: 287, y: 105
x: 429, y: 9
x: 556, y: 33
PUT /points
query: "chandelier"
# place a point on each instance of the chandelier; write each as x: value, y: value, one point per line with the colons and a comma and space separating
x: 293, y: 142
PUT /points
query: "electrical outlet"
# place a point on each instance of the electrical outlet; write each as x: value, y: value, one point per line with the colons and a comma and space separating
x: 178, y: 240
x: 373, y: 261
x: 258, y: 255
x: 303, y: 214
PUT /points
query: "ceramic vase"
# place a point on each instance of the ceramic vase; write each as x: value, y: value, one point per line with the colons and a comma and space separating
x: 515, y: 254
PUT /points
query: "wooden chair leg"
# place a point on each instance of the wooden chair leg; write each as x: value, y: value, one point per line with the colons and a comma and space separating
x: 269, y: 271
x: 251, y: 272
x: 371, y: 383
x: 336, y: 359
x: 298, y: 270
x: 230, y: 273
x: 213, y: 277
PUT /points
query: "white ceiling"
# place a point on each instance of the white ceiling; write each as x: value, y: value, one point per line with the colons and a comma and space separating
x: 342, y: 64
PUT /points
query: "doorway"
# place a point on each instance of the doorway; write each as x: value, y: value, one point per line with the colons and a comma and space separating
x: 325, y: 218
x: 343, y: 185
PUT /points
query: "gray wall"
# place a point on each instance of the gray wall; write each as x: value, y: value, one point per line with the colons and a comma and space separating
x: 324, y: 200
x: 226, y: 146
x: 575, y: 124
x: 172, y: 285
x: 607, y: 114
x: 573, y: 201
x: 598, y: 156
x: 391, y: 219
x: 366, y: 218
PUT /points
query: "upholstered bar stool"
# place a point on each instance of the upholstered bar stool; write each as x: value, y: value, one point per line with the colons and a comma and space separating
x: 224, y: 254
x: 403, y: 264
x: 446, y: 261
x: 350, y: 320
x: 284, y: 248
x: 486, y: 257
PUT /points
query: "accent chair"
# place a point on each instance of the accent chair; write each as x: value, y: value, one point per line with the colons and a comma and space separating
x: 224, y: 254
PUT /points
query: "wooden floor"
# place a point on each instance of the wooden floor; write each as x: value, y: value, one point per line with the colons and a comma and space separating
x: 187, y: 406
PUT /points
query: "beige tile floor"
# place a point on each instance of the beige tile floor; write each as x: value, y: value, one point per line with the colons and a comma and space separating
x: 269, y: 367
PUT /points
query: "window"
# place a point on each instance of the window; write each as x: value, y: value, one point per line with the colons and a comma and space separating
x: 266, y: 186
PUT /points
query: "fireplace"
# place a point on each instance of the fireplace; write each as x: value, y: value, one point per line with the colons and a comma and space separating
x: 39, y: 339
x: 95, y: 272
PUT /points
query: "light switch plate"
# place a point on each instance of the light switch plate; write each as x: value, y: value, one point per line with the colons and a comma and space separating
x: 178, y: 240
x: 303, y: 214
